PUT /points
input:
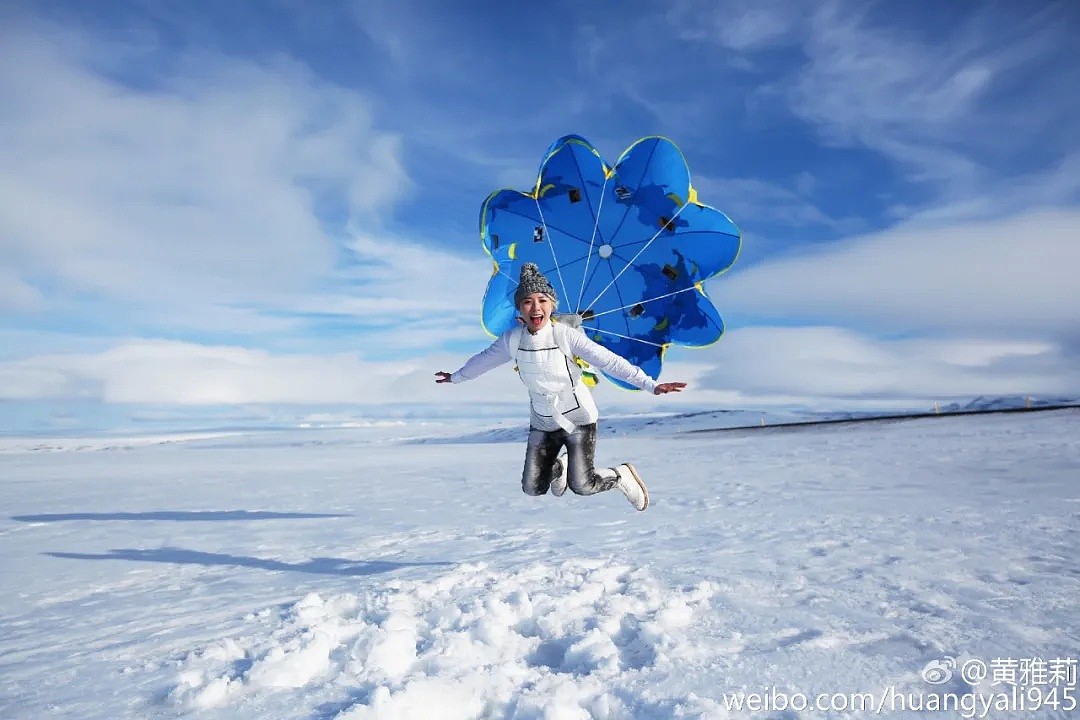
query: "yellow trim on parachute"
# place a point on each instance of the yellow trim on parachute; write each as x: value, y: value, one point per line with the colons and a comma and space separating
x: 588, y: 375
x: 512, y: 251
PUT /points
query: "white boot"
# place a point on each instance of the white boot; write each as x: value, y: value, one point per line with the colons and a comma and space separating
x: 632, y: 486
x: 558, y: 478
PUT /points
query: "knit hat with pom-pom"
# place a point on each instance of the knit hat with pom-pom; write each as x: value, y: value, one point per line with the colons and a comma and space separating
x: 533, y: 281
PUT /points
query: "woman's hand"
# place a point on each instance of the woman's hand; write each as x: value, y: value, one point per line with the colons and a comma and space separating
x: 669, y: 387
x: 442, y: 377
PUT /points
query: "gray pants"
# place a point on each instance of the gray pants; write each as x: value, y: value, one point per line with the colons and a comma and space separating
x: 581, y: 476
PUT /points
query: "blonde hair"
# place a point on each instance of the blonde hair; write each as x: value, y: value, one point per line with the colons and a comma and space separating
x: 554, y: 302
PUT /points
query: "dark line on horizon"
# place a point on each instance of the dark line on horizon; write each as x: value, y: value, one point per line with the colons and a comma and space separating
x: 884, y: 418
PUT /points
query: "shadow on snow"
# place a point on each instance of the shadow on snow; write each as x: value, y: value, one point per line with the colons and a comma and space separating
x: 180, y: 556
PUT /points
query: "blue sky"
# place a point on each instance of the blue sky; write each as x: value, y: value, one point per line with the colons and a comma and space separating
x: 227, y: 209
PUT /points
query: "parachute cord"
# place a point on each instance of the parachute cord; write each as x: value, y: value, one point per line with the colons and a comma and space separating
x: 506, y: 275
x: 624, y: 337
x: 551, y: 246
x: 629, y: 264
x: 592, y: 241
x: 642, y: 302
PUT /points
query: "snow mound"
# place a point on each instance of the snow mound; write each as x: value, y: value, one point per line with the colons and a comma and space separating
x: 543, y: 642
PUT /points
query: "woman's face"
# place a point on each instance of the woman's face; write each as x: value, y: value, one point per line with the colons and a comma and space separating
x: 536, y: 309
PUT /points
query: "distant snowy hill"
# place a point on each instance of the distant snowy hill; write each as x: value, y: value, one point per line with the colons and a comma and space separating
x: 983, y: 404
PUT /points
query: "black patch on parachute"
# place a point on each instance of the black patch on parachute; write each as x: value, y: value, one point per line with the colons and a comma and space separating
x: 588, y: 315
x: 538, y: 233
x: 637, y: 311
x: 667, y: 223
x: 622, y: 192
x: 494, y: 242
x: 670, y: 272
x: 575, y: 195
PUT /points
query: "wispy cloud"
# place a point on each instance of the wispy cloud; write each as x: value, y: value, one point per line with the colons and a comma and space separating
x: 739, y: 25
x: 950, y: 108
x: 771, y: 203
x: 204, y: 191
x: 16, y: 295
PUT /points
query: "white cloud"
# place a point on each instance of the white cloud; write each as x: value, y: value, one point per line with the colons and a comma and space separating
x: 998, y: 279
x: 168, y: 372
x: 918, y: 312
x: 199, y: 192
x: 162, y: 372
x: 829, y: 366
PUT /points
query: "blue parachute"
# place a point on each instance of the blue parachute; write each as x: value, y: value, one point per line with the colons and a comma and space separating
x: 626, y: 247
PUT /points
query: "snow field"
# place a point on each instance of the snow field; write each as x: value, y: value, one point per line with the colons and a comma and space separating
x: 331, y: 575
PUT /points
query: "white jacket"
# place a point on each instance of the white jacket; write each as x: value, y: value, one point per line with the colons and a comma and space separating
x: 557, y: 396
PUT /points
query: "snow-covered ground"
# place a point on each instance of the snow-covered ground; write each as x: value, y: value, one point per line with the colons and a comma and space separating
x: 355, y: 573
